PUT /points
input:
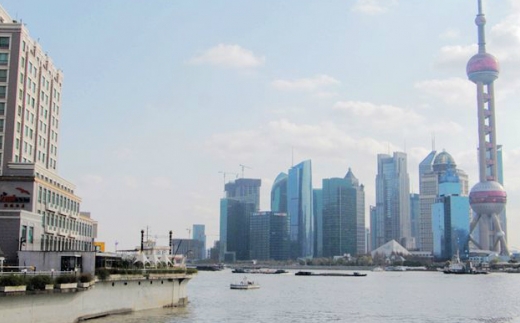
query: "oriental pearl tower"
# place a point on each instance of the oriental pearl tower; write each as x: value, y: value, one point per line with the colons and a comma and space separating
x: 487, y: 198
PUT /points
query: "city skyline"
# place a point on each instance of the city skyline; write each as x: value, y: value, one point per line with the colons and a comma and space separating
x: 201, y: 88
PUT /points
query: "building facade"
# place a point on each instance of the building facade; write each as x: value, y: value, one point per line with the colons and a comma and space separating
x: 450, y: 219
x: 317, y: 199
x: 199, y: 234
x: 39, y: 210
x: 244, y: 190
x: 343, y: 216
x: 269, y: 236
x: 430, y: 171
x: 300, y: 210
x: 393, y: 200
x: 279, y: 194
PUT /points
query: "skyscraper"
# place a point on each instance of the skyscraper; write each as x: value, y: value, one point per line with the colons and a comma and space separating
x: 300, y: 208
x: 269, y: 236
x: 317, y: 204
x: 46, y: 208
x: 279, y: 193
x: 343, y: 216
x: 242, y: 198
x: 415, y: 222
x: 429, y: 177
x: 244, y: 190
x: 487, y: 198
x: 200, y: 235
x: 393, y: 200
x: 450, y: 218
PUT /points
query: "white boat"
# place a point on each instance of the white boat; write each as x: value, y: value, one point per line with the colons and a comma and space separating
x: 245, y: 284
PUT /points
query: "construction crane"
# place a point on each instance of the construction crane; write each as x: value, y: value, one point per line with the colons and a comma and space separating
x: 244, y: 166
x: 227, y: 173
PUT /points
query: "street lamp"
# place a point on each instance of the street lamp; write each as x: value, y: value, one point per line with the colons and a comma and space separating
x: 2, y: 259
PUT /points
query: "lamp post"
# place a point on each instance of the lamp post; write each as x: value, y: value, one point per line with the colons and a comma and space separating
x: 2, y: 259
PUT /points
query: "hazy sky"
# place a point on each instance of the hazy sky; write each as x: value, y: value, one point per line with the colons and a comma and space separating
x: 159, y: 96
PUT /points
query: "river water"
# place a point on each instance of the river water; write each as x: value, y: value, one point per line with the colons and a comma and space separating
x: 378, y: 297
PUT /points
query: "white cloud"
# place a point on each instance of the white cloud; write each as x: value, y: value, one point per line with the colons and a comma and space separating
x: 384, y: 114
x: 305, y: 84
x: 232, y: 56
x: 455, y: 57
x: 373, y: 7
x: 453, y: 91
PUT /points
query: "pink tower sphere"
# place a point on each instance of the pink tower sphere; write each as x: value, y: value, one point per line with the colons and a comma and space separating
x: 482, y: 67
x: 488, y: 198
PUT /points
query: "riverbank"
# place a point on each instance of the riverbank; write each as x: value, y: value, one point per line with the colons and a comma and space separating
x: 116, y: 295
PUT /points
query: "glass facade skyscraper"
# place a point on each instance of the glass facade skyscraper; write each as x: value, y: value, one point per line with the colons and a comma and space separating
x: 392, y: 200
x: 317, y: 202
x: 200, y: 235
x: 300, y: 210
x: 269, y: 236
x: 450, y: 219
x: 279, y: 194
x: 343, y: 216
x: 430, y: 170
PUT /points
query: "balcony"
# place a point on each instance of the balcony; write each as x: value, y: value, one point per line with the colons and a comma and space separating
x: 64, y: 211
x: 63, y: 232
x: 73, y: 234
x: 51, y: 207
x: 74, y: 214
x: 50, y: 229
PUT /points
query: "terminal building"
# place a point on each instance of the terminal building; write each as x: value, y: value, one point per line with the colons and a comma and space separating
x: 41, y: 223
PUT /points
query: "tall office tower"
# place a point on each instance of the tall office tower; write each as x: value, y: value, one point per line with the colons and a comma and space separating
x: 450, y: 218
x: 487, y: 198
x: 279, y: 193
x: 375, y: 230
x: 414, y: 217
x: 46, y: 210
x: 245, y: 190
x: 393, y: 199
x: 199, y: 233
x: 427, y: 194
x: 429, y: 187
x: 238, y: 229
x: 269, y: 236
x: 343, y: 216
x: 317, y: 204
x: 300, y: 207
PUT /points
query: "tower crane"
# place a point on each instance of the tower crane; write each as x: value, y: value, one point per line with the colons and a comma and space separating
x: 227, y: 173
x: 244, y: 166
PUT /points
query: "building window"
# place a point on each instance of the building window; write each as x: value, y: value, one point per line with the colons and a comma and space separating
x: 4, y: 42
x: 23, y: 236
x: 30, y: 238
x: 4, y: 58
x: 3, y: 75
x: 1, y: 125
x: 3, y: 92
x: 2, y: 108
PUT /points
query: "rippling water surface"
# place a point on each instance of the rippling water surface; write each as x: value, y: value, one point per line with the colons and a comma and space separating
x: 379, y: 297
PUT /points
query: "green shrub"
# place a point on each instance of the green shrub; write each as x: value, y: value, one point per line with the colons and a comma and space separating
x: 12, y: 280
x: 103, y: 274
x: 179, y: 270
x: 38, y: 282
x: 66, y: 279
x: 190, y: 271
x: 86, y: 278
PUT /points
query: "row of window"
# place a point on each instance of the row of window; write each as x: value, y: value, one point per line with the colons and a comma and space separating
x: 53, y: 182
x: 47, y: 196
x: 62, y: 222
x: 52, y: 243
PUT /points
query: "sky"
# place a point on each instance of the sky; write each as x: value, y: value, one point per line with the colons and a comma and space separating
x: 161, y: 98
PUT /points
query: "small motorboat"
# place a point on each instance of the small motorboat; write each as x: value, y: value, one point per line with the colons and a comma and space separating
x: 245, y: 284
